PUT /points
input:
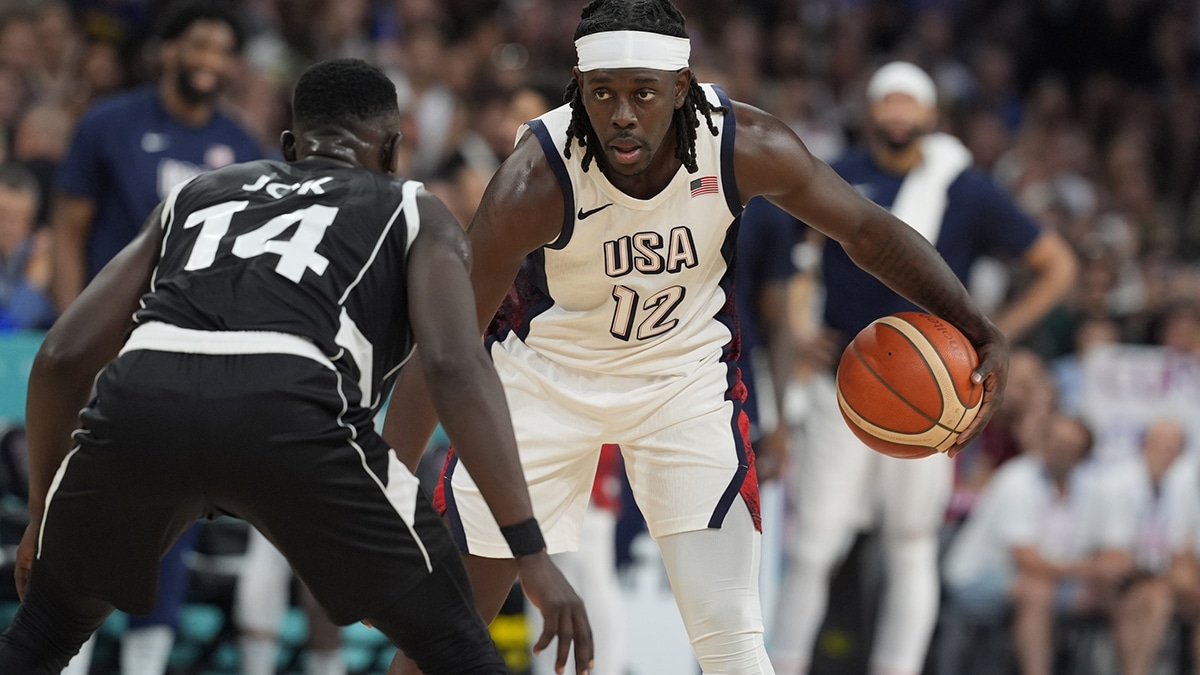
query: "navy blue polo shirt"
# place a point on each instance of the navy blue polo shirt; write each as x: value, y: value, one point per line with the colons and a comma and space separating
x: 127, y: 154
x: 981, y: 219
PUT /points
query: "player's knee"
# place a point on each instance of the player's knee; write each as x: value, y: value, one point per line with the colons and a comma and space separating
x: 49, y: 628
x: 742, y: 653
x: 726, y: 631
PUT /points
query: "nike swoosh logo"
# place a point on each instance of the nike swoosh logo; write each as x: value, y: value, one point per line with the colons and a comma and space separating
x: 584, y: 214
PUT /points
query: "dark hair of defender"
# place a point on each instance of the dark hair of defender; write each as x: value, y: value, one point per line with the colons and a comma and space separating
x: 339, y: 91
x: 651, y: 16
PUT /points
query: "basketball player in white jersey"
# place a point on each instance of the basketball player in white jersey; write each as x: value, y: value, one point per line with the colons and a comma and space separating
x: 616, y: 216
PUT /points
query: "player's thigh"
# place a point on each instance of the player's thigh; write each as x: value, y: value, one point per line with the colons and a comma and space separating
x: 687, y: 453
x: 559, y: 433
x: 436, y: 625
x: 349, y: 517
x: 915, y: 494
x: 125, y: 493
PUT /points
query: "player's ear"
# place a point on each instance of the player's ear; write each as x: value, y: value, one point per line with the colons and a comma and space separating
x: 683, y: 82
x: 578, y: 75
x: 287, y: 144
x: 391, y: 154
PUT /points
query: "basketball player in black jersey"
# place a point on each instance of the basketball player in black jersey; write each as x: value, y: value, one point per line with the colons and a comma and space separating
x: 276, y: 302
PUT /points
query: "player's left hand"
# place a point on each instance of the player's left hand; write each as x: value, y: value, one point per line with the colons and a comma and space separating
x: 562, y: 611
x: 992, y: 373
x: 25, y: 554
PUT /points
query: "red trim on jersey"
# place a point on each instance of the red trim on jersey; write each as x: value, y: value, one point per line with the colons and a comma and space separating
x: 749, y: 489
x: 439, y: 492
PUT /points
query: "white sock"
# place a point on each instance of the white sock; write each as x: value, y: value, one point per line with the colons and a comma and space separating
x: 258, y: 654
x: 145, y: 651
x: 326, y: 663
x: 82, y: 662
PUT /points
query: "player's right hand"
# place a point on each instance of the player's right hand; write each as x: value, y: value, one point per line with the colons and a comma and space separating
x: 25, y: 554
x: 562, y: 611
x: 992, y: 373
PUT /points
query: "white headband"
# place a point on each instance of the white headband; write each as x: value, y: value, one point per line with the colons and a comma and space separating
x: 632, y: 49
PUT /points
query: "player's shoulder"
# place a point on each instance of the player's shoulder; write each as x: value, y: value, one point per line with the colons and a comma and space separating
x: 527, y: 177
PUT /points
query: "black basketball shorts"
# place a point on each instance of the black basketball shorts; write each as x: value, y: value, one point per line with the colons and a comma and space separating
x: 173, y: 437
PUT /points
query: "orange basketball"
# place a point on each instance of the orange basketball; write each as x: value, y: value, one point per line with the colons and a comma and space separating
x: 904, y: 385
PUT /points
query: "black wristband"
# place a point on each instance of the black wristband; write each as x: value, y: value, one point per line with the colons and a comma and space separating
x: 524, y: 537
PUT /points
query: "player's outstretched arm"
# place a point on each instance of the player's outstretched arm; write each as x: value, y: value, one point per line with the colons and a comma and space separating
x: 469, y: 399
x: 86, y: 337
x: 771, y: 161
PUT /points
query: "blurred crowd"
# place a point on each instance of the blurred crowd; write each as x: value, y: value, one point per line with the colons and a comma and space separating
x: 1086, y: 111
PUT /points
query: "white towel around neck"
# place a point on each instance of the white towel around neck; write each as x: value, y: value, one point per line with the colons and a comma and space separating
x: 921, y: 201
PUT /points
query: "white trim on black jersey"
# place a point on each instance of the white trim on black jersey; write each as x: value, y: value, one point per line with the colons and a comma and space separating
x: 412, y: 215
x: 408, y: 193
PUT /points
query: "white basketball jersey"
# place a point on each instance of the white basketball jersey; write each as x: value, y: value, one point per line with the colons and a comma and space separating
x: 633, y: 286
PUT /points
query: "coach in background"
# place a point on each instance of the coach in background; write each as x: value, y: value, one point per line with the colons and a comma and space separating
x: 130, y: 149
x: 925, y: 179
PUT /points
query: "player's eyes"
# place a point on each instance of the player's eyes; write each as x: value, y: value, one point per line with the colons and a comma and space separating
x: 645, y: 94
x: 602, y: 94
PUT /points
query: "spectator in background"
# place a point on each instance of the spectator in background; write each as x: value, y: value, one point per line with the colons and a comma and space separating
x: 1027, y: 545
x: 1090, y: 333
x: 24, y: 253
x: 924, y: 178
x: 1139, y: 501
x: 59, y: 52
x: 131, y: 149
x: 127, y: 154
x: 40, y: 143
x: 19, y: 39
x: 101, y: 74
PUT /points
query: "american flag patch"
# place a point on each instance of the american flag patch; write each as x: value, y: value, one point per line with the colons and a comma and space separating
x: 704, y: 186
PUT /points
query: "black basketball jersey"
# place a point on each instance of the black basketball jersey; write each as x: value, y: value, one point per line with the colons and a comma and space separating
x: 308, y: 249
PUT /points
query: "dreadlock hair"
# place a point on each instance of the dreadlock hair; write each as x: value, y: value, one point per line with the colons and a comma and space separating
x: 651, y: 16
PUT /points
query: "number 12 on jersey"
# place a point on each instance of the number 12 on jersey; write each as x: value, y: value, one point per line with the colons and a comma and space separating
x: 660, y: 305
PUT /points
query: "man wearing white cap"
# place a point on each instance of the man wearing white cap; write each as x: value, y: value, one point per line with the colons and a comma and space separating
x: 838, y: 484
x: 607, y: 241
